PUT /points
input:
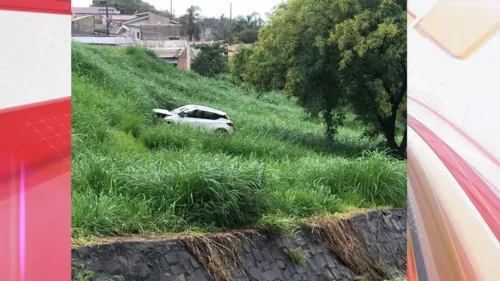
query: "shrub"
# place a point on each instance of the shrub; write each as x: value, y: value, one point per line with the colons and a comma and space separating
x: 211, y: 61
x: 249, y: 35
x: 238, y: 62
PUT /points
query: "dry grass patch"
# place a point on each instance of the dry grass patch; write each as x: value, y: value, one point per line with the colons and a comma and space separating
x: 340, y: 237
x: 219, y: 253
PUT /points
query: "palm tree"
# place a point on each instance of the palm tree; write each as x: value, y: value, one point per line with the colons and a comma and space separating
x: 192, y: 26
x: 252, y: 20
x: 225, y: 30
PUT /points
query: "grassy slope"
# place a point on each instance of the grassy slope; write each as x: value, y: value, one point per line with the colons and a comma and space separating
x: 134, y: 174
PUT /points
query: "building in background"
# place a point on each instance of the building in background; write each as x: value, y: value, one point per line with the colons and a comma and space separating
x: 133, y: 27
x: 87, y: 11
x: 160, y: 32
x: 117, y: 42
x: 176, y: 52
x: 82, y: 26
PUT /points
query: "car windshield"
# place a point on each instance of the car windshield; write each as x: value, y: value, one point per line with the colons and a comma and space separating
x: 178, y: 110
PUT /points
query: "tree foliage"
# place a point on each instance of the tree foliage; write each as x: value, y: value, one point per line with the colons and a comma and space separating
x: 249, y: 36
x: 224, y: 30
x: 373, y: 51
x: 251, y: 21
x: 245, y: 29
x: 192, y: 26
x: 211, y: 61
x: 238, y: 62
x: 335, y: 54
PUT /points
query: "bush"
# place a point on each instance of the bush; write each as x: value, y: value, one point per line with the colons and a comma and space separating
x: 211, y: 61
x: 249, y: 35
x: 238, y: 62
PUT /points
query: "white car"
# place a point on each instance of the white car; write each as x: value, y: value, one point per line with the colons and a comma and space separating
x: 198, y: 116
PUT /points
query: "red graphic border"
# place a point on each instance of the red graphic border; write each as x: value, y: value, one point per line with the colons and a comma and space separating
x: 38, y: 6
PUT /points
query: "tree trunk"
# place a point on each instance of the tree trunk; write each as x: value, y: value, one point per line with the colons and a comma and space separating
x: 331, y: 129
x: 403, y: 145
x: 388, y: 126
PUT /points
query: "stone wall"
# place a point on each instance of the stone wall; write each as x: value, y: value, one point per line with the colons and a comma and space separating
x: 264, y: 257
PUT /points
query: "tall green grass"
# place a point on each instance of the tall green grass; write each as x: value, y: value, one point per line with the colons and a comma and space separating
x: 134, y: 174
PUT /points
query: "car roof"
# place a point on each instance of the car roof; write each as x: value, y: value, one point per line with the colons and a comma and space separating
x: 204, y: 108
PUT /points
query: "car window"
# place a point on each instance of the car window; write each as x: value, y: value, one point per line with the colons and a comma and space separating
x: 200, y: 114
x: 211, y: 116
x: 195, y: 114
x: 178, y: 110
x: 191, y: 114
x: 214, y: 116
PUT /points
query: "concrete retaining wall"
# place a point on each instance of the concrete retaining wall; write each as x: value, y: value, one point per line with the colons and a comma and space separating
x: 264, y: 257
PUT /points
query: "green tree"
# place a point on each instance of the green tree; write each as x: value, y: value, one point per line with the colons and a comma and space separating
x: 333, y: 55
x: 249, y: 36
x: 211, y: 61
x: 373, y: 68
x: 251, y: 21
x: 238, y: 62
x: 224, y: 30
x: 270, y: 59
x: 191, y: 24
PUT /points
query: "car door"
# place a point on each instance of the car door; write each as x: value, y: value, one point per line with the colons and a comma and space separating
x: 202, y: 120
x: 212, y: 121
x: 192, y: 118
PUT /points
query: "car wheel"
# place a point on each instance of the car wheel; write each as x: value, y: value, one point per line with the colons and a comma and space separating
x: 223, y: 131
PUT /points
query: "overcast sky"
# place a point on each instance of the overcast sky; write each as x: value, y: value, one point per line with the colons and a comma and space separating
x: 208, y: 7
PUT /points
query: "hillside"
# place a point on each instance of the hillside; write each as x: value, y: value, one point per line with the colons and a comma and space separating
x: 132, y: 174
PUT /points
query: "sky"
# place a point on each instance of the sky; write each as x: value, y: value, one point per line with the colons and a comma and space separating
x: 209, y: 8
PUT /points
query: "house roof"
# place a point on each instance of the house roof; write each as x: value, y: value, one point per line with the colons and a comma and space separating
x: 93, y: 10
x: 105, y: 40
x: 123, y: 17
x: 102, y: 28
x: 166, y: 44
x: 195, y: 51
x: 81, y: 18
x: 167, y: 53
x: 134, y: 20
x: 121, y: 29
x: 145, y: 15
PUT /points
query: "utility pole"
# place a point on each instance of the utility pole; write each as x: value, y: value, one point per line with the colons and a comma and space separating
x: 107, y: 19
x: 230, y: 11
x: 171, y: 11
x: 105, y: 2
